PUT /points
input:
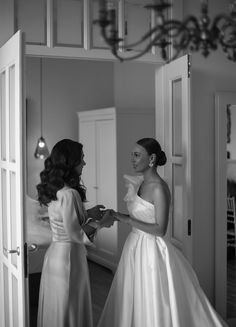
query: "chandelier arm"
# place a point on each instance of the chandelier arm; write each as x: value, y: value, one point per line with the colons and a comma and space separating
x: 227, y: 45
x: 225, y: 18
x: 144, y: 38
x: 116, y: 52
x: 192, y: 34
x: 222, y: 23
x: 148, y: 35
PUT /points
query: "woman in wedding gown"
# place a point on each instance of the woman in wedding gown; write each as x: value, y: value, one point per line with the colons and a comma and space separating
x: 65, y: 298
x: 154, y: 285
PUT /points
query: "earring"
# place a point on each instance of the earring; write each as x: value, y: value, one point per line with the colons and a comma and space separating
x: 150, y: 164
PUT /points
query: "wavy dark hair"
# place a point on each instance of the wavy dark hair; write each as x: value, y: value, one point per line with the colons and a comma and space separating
x: 59, y: 170
x: 152, y: 146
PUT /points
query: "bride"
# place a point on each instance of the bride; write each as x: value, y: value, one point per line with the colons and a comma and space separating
x: 154, y: 285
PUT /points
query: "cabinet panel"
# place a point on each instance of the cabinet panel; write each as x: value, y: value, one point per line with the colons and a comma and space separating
x: 106, y: 162
x: 106, y: 179
x: 30, y: 17
x: 97, y: 132
x: 96, y: 37
x: 137, y: 22
x: 88, y: 139
x: 68, y: 22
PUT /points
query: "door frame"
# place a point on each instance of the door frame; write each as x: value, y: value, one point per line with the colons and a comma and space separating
x: 221, y: 100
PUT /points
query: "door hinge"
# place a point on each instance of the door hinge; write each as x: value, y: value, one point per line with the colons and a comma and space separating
x: 189, y: 227
x: 189, y: 65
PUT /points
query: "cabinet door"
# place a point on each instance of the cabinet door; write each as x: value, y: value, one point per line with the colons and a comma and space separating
x: 106, y: 180
x: 30, y: 17
x: 137, y: 22
x: 68, y: 24
x: 97, y: 40
x: 106, y: 162
x: 87, y: 136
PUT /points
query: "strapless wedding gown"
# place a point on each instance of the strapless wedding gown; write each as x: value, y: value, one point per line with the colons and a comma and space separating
x: 154, y: 285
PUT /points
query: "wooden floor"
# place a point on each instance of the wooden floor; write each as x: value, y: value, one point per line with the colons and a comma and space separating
x: 100, y: 278
x: 231, y: 287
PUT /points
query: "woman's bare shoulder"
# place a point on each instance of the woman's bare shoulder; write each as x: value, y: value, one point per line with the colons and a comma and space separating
x: 160, y: 188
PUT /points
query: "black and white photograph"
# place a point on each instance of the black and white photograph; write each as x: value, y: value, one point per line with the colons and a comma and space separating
x: 118, y: 163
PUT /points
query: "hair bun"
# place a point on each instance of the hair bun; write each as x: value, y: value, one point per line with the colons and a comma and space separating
x: 161, y: 159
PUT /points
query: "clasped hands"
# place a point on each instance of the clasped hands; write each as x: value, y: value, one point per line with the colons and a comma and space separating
x: 105, y: 217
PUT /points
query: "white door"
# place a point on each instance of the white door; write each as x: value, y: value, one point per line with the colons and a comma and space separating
x: 12, y: 279
x: 87, y: 136
x: 173, y: 121
x: 97, y: 133
x: 225, y: 139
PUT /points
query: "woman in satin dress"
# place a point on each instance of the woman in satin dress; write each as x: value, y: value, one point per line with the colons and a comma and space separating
x: 65, y: 298
x: 154, y: 285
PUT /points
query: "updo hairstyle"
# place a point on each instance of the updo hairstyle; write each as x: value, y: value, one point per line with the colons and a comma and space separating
x: 153, y: 147
x: 59, y: 170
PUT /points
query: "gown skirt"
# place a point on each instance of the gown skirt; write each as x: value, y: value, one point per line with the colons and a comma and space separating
x: 65, y: 298
x: 154, y: 285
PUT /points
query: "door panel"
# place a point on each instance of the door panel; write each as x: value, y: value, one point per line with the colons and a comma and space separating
x: 224, y: 278
x: 89, y: 170
x: 173, y: 114
x: 12, y: 281
x: 106, y: 170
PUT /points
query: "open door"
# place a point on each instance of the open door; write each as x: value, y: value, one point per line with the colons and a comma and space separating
x: 12, y: 279
x: 225, y: 167
x: 173, y: 121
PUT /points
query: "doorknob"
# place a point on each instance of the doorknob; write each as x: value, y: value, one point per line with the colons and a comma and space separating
x: 17, y: 251
x: 33, y: 247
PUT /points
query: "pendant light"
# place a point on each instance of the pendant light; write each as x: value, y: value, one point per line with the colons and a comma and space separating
x: 41, y: 151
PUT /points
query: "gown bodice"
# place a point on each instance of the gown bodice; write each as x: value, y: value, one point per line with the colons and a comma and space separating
x: 138, y: 208
x: 67, y: 215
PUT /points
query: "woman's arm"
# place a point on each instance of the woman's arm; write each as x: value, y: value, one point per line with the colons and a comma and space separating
x: 161, y: 201
x: 72, y: 212
x: 92, y: 227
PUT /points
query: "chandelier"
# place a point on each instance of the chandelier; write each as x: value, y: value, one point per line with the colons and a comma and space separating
x: 193, y: 34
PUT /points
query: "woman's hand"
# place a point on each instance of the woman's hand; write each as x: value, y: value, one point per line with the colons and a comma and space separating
x: 107, y: 219
x: 121, y: 217
x: 95, y: 212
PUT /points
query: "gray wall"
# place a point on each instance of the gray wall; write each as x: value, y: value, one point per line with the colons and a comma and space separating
x: 76, y: 85
x: 68, y: 86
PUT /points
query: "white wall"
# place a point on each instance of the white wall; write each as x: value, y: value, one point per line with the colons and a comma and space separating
x: 134, y: 96
x: 135, y: 86
x: 68, y: 86
x: 208, y: 76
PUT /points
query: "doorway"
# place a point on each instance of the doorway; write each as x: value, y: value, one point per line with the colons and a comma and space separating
x: 225, y: 127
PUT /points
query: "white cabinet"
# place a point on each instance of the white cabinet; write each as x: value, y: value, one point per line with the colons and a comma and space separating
x: 97, y: 133
x: 65, y: 28
x: 108, y: 136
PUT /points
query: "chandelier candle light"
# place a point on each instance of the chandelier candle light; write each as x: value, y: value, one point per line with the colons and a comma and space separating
x: 41, y: 151
x: 193, y: 34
